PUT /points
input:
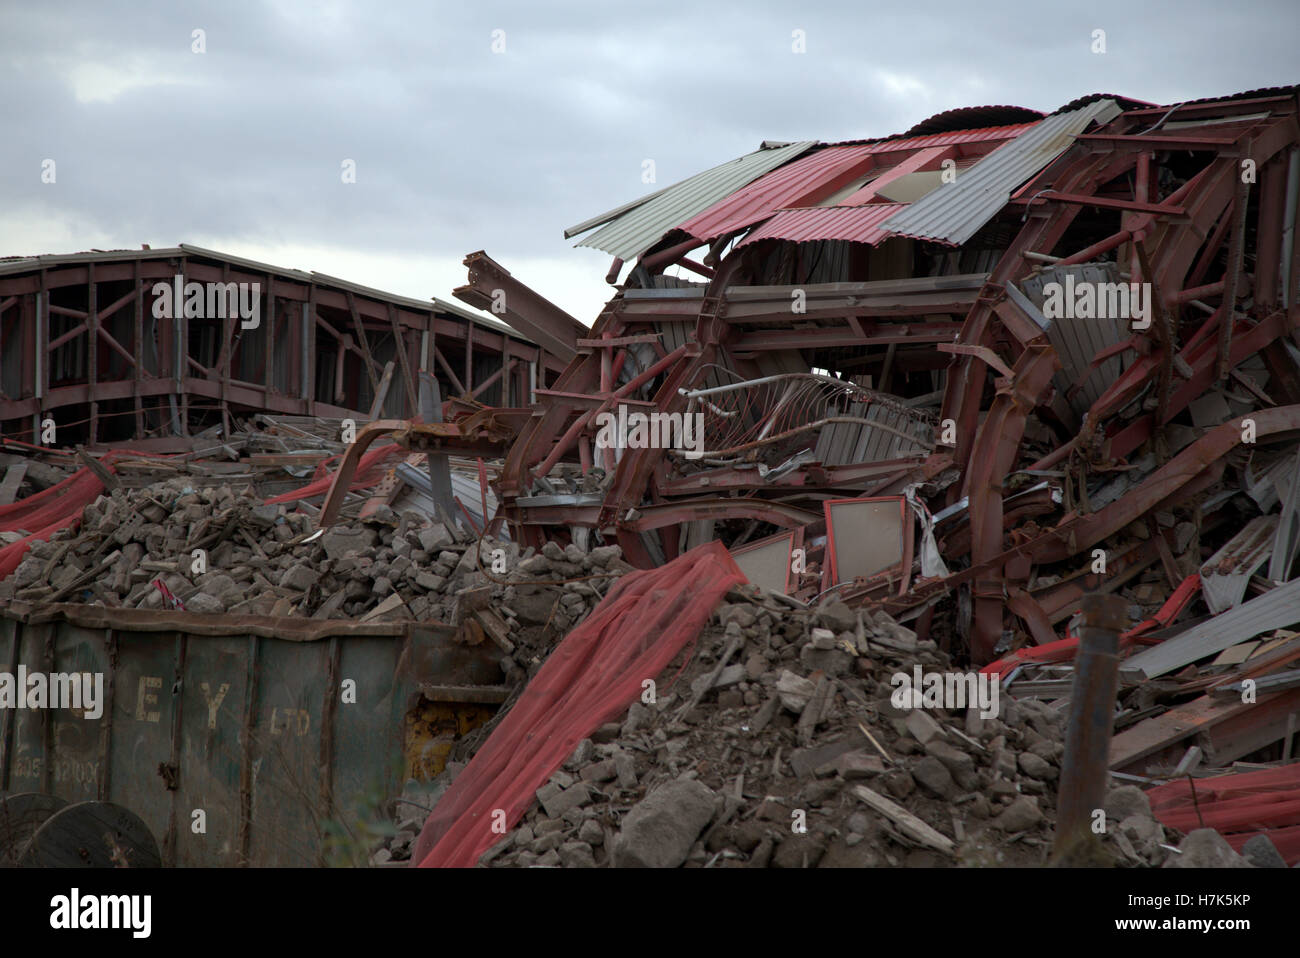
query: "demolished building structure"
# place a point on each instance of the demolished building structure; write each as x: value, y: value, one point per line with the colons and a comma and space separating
x: 955, y: 388
x: 874, y: 319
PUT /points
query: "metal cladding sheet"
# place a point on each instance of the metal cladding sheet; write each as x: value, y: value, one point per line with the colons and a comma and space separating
x: 954, y: 213
x: 858, y: 224
x: 630, y: 234
x: 815, y: 177
x: 1275, y: 609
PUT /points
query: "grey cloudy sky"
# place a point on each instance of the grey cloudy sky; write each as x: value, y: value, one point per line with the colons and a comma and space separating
x: 459, y: 148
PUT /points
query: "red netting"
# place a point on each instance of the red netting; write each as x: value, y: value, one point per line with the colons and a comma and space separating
x: 1237, y: 806
x: 370, y: 470
x: 48, y: 511
x: 590, y: 678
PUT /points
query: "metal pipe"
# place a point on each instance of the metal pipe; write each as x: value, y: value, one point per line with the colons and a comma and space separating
x: 670, y: 255
x: 1085, y: 772
x: 779, y: 377
x: 606, y: 387
x: 1288, y: 227
x: 1102, y: 246
x: 1195, y: 292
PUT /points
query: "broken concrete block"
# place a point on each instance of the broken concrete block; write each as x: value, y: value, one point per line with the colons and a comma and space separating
x: 299, y: 577
x: 923, y: 727
x: 794, y: 690
x: 659, y: 831
x: 1021, y: 815
x: 934, y: 777
x: 556, y: 800
x: 1206, y: 848
x: 1126, y: 800
x: 1262, y: 853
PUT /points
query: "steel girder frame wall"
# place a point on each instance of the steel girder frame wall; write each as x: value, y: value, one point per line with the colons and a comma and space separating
x: 636, y: 496
x: 80, y: 342
x: 1172, y: 241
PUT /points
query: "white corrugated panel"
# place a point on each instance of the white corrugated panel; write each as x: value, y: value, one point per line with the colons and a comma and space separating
x: 956, y: 211
x: 631, y: 233
x: 1078, y: 340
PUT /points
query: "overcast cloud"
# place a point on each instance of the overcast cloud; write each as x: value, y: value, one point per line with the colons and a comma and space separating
x: 459, y: 148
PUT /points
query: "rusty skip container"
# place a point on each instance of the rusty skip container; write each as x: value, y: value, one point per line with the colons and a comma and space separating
x: 274, y: 728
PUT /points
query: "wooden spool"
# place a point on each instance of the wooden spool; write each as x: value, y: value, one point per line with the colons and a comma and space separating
x: 92, y: 835
x: 21, y: 815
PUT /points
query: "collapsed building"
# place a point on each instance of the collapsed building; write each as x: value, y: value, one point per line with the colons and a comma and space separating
x: 1008, y: 397
x: 854, y: 299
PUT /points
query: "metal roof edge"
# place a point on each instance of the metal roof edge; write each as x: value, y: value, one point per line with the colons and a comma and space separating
x: 601, y: 219
x: 433, y: 304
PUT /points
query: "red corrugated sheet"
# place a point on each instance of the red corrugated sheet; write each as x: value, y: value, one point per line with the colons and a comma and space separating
x: 818, y: 175
x: 859, y: 224
x: 1238, y: 807
x: 800, y: 183
x: 590, y: 678
x: 978, y: 135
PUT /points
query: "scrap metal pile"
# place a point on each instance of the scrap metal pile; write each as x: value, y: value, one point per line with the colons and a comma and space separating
x: 965, y: 376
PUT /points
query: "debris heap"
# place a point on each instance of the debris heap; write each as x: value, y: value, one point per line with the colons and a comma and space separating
x: 214, y: 550
x: 780, y: 741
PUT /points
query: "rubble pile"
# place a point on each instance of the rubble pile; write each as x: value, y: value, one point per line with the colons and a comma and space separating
x: 782, y: 744
x: 215, y: 550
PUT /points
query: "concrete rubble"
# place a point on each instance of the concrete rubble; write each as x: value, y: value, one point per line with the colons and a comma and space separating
x: 767, y: 768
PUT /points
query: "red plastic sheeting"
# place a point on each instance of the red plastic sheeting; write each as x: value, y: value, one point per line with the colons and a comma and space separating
x: 1238, y: 806
x: 370, y: 470
x: 48, y: 511
x: 590, y: 678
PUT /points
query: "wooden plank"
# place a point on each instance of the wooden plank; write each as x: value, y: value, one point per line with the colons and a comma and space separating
x: 408, y: 375
x: 365, y: 342
x: 383, y: 608
x: 496, y: 629
x: 12, y: 480
x: 101, y: 472
x: 381, y: 392
x: 1198, y: 716
x: 907, y: 823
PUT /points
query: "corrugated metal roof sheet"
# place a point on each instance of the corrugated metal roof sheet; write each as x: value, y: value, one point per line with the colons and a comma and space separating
x: 633, y: 232
x: 955, y: 213
x: 800, y: 183
x: 811, y: 178
x: 904, y: 141
x: 857, y: 224
x: 1275, y: 609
